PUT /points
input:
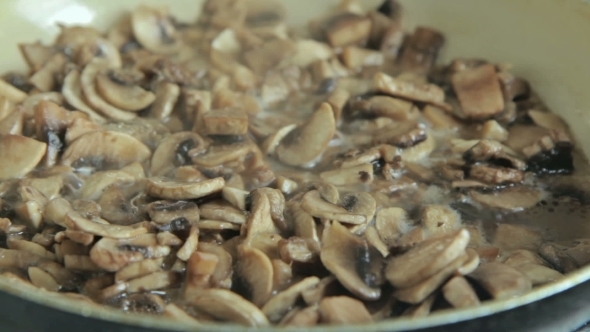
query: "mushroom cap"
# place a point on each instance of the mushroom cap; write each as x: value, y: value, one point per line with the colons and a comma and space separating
x: 309, y: 141
x: 19, y: 155
x: 72, y: 92
x: 126, y: 97
x: 153, y: 30
x: 109, y: 147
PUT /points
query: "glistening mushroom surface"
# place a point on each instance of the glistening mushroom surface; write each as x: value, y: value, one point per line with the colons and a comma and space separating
x: 233, y: 169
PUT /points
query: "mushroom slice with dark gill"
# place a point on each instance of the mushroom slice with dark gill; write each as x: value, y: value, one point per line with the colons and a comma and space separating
x: 356, y: 266
x: 154, y: 30
x: 119, y: 91
x: 173, y: 151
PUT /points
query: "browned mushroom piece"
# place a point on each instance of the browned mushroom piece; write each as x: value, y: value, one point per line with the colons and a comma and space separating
x: 426, y: 259
x: 282, y: 302
x: 511, y: 198
x: 173, y: 151
x: 421, y: 50
x: 307, y: 142
x: 352, y: 261
x: 391, y: 223
x: 559, y: 260
x: 501, y: 281
x: 222, y: 276
x: 268, y: 55
x: 343, y: 310
x: 459, y: 293
x: 175, y: 190
x: 440, y: 219
x: 347, y: 29
x: 479, y: 92
x: 260, y: 219
x: 496, y: 175
x: 428, y: 93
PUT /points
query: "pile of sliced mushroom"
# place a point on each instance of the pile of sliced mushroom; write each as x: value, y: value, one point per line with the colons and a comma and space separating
x: 234, y: 170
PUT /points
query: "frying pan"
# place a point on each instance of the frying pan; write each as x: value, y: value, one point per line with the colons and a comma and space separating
x: 547, y: 41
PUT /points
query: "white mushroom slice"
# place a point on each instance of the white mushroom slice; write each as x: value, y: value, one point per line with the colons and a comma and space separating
x: 308, y: 141
x: 354, y: 57
x: 348, y: 257
x: 95, y: 185
x: 139, y: 269
x: 80, y: 263
x: 42, y: 279
x: 374, y: 240
x: 308, y: 51
x: 105, y: 146
x: 72, y: 92
x: 539, y: 274
x: 438, y: 118
x: 282, y: 302
x: 190, y: 244
x: 511, y: 237
x: 55, y: 212
x: 270, y: 144
x: 511, y: 198
x: 236, y: 197
x: 172, y: 152
x: 175, y: 190
x: 347, y: 29
x: 501, y: 281
x: 286, y: 185
x: 228, y: 306
x: 471, y: 263
x: 88, y: 82
x: 36, y: 54
x: 220, y: 154
x: 225, y: 122
x: 256, y: 271
x: 98, y: 227
x: 494, y: 131
x: 459, y: 293
x: 343, y: 310
x: 421, y: 310
x: 108, y: 254
x: 218, y: 210
x: 11, y: 93
x: 126, y: 97
x: 260, y: 220
x: 30, y: 247
x: 313, y: 204
x: 391, y: 223
x: 30, y: 212
x: 361, y: 174
x: 222, y: 276
x: 440, y: 219
x: 154, y: 281
x: 79, y: 237
x: 168, y: 239
x: 19, y: 155
x: 199, y: 268
x: 419, y: 292
x: 166, y: 97
x: 153, y: 30
x: 428, y: 93
x: 13, y: 123
x: 426, y: 259
x: 303, y: 223
x: 303, y: 318
x: 419, y: 151
x: 44, y: 78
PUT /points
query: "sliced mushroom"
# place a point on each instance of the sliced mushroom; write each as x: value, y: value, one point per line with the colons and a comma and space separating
x: 282, y: 302
x: 42, y: 279
x: 307, y: 317
x: 440, y: 219
x: 255, y: 270
x: 269, y: 55
x: 173, y: 151
x: 101, y: 227
x: 479, y: 92
x: 561, y: 261
x: 260, y: 220
x: 122, y: 94
x: 153, y: 30
x: 225, y: 122
x: 105, y: 148
x: 269, y: 145
x: 200, y: 267
x: 361, y: 174
x: 12, y: 124
x: 459, y: 293
x: 439, y: 118
x: 166, y: 213
x: 501, y: 281
x: 391, y: 223
x: 428, y: 93
x: 30, y: 247
x: 308, y: 51
x: 166, y: 97
x: 228, y: 306
x: 343, y: 310
x: 89, y: 88
x: 220, y: 154
x: 347, y: 29
x: 11, y: 93
x: 419, y: 292
x: 510, y: 237
x: 236, y: 197
x: 96, y: 184
x: 190, y: 244
x: 426, y: 259
x: 108, y: 254
x: 36, y: 54
x: 307, y: 142
x: 19, y: 155
x: 139, y: 269
x: 44, y: 78
x: 219, y: 210
x: 494, y: 131
x: 174, y: 190
x: 222, y: 276
x: 349, y: 258
x: 496, y: 175
x: 471, y: 263
x: 356, y: 208
x: 539, y: 274
x: 512, y: 198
